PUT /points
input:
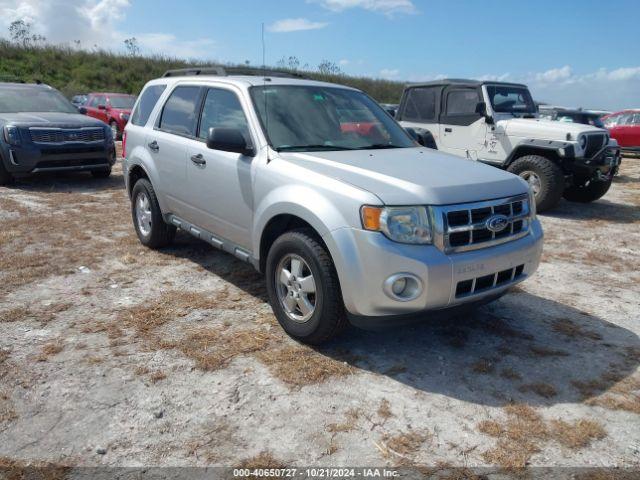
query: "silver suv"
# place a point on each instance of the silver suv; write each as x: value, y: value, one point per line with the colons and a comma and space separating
x: 318, y: 187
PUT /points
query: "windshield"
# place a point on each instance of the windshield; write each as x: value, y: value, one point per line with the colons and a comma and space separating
x: 123, y: 101
x: 310, y: 118
x: 510, y: 99
x: 33, y: 99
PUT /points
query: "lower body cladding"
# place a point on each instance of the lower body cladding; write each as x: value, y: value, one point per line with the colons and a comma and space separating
x: 385, y: 280
x: 28, y: 159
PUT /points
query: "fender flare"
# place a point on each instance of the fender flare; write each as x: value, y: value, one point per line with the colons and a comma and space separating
x: 530, y: 145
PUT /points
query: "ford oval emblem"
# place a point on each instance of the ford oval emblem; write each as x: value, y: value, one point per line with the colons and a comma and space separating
x: 497, y: 223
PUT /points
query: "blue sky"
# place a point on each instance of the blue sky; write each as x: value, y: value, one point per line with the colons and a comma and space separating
x: 571, y: 52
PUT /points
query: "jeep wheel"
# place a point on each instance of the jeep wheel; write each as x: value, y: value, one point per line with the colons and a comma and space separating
x: 303, y: 288
x: 587, y: 193
x: 151, y: 228
x: 5, y: 177
x: 105, y: 173
x: 544, y: 177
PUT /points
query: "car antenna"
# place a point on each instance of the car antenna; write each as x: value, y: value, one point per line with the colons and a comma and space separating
x: 264, y: 88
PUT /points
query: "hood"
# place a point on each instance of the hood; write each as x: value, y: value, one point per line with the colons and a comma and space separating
x: 413, y: 176
x: 49, y: 119
x: 545, y: 129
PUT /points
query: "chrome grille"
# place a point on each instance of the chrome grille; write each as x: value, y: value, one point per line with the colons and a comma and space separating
x: 595, y: 143
x: 465, y: 227
x: 66, y: 135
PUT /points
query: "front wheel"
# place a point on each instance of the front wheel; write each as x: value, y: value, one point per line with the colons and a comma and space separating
x: 543, y: 176
x: 587, y: 193
x: 151, y: 228
x: 303, y: 288
x: 5, y: 177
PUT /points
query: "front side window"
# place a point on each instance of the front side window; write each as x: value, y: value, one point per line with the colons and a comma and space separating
x: 33, y: 99
x: 222, y: 109
x: 510, y: 99
x: 148, y: 100
x: 462, y: 102
x: 317, y: 118
x: 420, y: 104
x: 94, y: 101
x: 180, y: 113
x: 122, y: 101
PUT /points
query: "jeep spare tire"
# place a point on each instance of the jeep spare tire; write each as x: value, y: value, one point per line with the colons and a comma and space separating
x: 543, y: 176
x: 587, y: 193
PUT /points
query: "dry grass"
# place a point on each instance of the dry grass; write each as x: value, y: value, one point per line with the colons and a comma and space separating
x: 157, y: 376
x: 524, y: 432
x: 351, y: 420
x: 578, y: 434
x: 50, y: 349
x: 384, y: 410
x: 301, y: 365
x: 539, y: 388
x: 264, y: 460
x: 404, y: 444
x: 570, y: 329
x: 540, y: 351
x: 16, y: 314
x: 510, y: 374
x: 11, y: 469
x: 483, y: 366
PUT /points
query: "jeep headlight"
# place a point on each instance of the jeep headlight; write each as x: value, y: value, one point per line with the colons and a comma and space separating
x: 583, y: 142
x: 400, y: 224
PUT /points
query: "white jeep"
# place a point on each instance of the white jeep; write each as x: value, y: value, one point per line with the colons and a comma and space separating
x: 497, y: 123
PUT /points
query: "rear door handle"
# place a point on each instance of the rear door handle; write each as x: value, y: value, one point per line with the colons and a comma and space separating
x: 153, y: 146
x: 198, y: 159
x: 448, y: 130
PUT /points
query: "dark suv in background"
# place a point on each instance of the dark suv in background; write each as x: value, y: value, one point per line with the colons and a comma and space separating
x: 41, y: 131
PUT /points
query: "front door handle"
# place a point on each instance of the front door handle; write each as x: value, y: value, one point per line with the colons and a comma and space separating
x: 448, y: 130
x: 153, y: 146
x: 198, y: 160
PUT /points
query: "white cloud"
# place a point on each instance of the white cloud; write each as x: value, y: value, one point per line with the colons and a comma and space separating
x: 387, y: 7
x: 554, y: 75
x: 344, y: 62
x: 389, y: 73
x: 94, y: 23
x: 295, y: 25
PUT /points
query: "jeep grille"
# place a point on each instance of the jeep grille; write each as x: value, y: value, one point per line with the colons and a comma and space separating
x: 66, y: 135
x: 595, y: 143
x: 465, y: 227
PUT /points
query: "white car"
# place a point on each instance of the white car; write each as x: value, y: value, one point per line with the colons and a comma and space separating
x: 497, y: 123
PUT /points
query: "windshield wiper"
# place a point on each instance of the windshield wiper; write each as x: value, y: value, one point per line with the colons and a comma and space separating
x: 293, y: 148
x: 379, y: 146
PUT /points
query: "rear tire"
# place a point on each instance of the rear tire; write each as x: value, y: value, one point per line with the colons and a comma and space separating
x: 545, y: 177
x: 587, y: 193
x: 150, y: 226
x: 327, y: 318
x: 5, y: 177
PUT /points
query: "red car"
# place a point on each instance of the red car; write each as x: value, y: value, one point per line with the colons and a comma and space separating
x: 625, y: 128
x: 112, y: 108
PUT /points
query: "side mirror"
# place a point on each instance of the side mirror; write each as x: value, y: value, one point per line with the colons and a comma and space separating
x: 82, y: 110
x: 481, y: 109
x: 229, y: 140
x: 415, y: 135
x: 102, y: 107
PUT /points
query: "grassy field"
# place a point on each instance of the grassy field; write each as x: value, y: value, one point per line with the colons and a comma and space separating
x: 77, y: 71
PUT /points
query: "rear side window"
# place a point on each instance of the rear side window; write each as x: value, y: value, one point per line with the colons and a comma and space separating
x: 148, y: 100
x: 180, y: 113
x: 421, y: 104
x: 462, y: 102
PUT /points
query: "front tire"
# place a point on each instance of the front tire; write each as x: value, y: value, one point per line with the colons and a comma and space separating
x: 544, y: 177
x: 5, y: 177
x: 151, y: 228
x: 587, y: 193
x: 303, y: 288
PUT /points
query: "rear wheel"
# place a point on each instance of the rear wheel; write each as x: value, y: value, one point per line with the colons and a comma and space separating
x: 303, y: 288
x: 587, y: 193
x: 543, y: 176
x: 151, y: 228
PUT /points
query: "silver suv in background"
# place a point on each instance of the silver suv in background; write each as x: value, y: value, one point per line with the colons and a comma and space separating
x: 348, y: 219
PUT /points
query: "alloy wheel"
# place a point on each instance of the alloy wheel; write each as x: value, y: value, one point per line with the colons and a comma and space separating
x: 296, y: 288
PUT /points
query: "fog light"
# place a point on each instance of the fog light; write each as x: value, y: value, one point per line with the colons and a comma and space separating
x: 403, y: 287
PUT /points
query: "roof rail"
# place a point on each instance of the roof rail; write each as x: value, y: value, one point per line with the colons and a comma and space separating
x: 225, y: 71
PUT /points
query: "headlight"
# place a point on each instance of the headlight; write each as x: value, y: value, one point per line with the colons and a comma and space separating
x: 400, y: 224
x: 583, y: 141
x: 12, y: 135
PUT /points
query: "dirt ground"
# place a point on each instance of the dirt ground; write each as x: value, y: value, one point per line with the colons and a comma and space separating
x: 111, y: 354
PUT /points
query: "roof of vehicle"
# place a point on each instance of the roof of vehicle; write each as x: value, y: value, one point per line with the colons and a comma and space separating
x: 462, y: 82
x: 25, y: 85
x: 247, y: 80
x: 109, y: 94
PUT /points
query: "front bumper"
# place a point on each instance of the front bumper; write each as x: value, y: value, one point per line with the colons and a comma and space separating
x: 33, y: 158
x: 602, y: 166
x: 365, y: 260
